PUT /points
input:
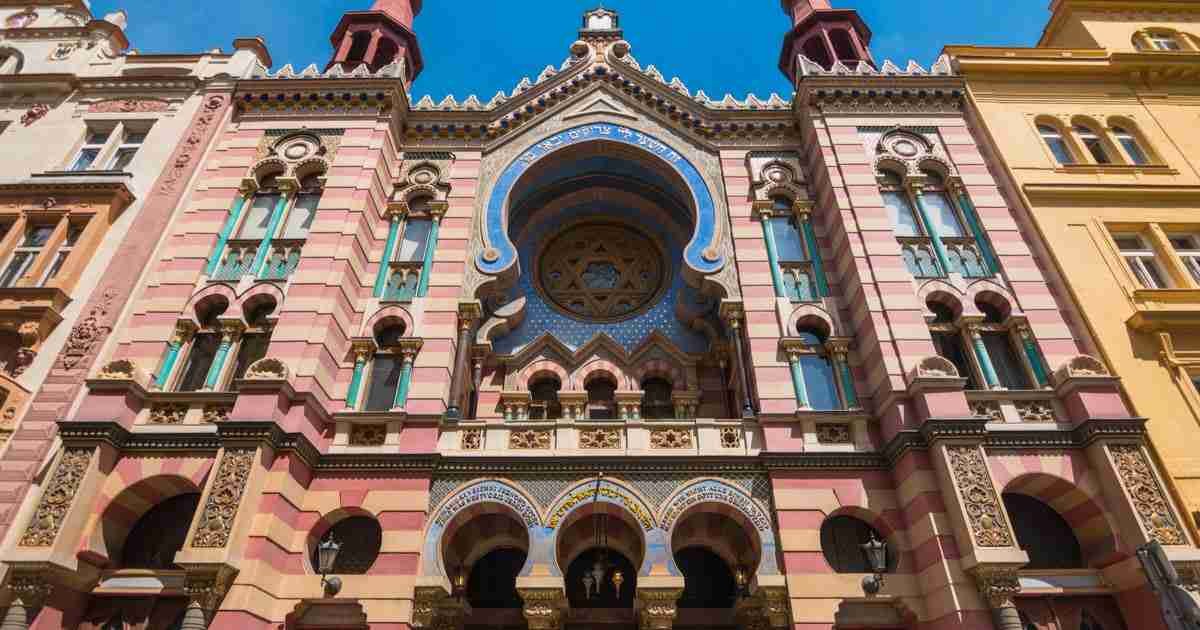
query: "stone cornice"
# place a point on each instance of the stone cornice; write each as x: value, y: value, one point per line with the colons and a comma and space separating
x: 1022, y: 437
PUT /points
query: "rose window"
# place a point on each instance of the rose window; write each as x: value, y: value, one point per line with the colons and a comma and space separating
x: 601, y: 271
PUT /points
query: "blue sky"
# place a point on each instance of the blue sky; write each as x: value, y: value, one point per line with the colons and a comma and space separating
x: 481, y: 47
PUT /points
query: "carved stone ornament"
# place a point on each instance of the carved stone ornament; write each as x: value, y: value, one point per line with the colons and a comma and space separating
x: 168, y: 413
x: 659, y: 608
x: 434, y: 609
x: 192, y: 145
x: 267, y: 369
x: 982, y: 506
x: 671, y: 438
x: 997, y: 585
x: 87, y: 333
x: 831, y: 433
x: 472, y: 439
x: 1149, y: 500
x: 368, y: 434
x: 1081, y: 366
x: 1036, y: 411
x: 529, y: 440
x: 128, y: 106
x: 31, y: 588
x: 605, y: 437
x: 208, y: 589
x: 56, y: 500
x: 543, y: 608
x: 731, y: 437
x: 215, y: 413
x: 119, y: 370
x: 989, y: 409
x: 35, y: 113
x: 216, y: 520
x: 935, y: 367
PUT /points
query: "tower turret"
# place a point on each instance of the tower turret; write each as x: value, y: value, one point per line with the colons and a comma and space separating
x: 378, y: 37
x: 824, y: 35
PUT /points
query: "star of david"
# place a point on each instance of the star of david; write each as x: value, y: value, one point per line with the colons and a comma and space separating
x: 601, y: 271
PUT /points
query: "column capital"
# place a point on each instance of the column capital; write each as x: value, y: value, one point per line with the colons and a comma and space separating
x: 802, y: 208
x: 231, y: 329
x: 434, y: 608
x: 916, y: 183
x: 469, y: 311
x: 438, y: 210
x: 998, y: 584
x: 762, y: 209
x: 396, y: 210
x: 206, y: 586
x: 659, y: 607
x: 838, y: 345
x: 971, y: 323
x: 410, y: 346
x: 31, y: 588
x: 733, y: 312
x: 955, y: 186
x: 543, y: 607
x: 363, y: 347
x: 794, y: 348
x: 185, y: 329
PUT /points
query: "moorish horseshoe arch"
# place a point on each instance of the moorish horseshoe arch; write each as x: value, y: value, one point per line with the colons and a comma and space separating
x: 702, y: 255
x: 655, y: 545
x: 477, y: 494
x: 731, y: 501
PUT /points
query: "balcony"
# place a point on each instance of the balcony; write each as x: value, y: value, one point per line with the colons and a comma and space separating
x: 963, y: 254
x: 285, y: 256
x: 799, y: 281
x: 403, y: 280
x: 919, y: 256
x: 965, y: 258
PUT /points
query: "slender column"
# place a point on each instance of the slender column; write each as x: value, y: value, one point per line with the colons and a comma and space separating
x: 764, y: 215
x: 468, y: 312
x: 804, y: 218
x: 183, y: 333
x: 363, y: 348
x: 389, y: 250
x: 437, y: 209
x: 981, y: 355
x: 409, y: 349
x: 231, y: 331
x: 1036, y: 363
x: 976, y: 227
x: 231, y: 221
x: 734, y: 315
x: 477, y: 378
x: 938, y: 247
x: 264, y: 248
x: 194, y: 618
x: 798, y: 380
x: 839, y: 352
x: 17, y: 616
x: 998, y: 585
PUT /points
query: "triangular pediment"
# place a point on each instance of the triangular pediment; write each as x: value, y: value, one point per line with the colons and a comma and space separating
x: 601, y: 104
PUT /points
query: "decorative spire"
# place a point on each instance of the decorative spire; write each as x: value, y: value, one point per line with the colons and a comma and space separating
x: 379, y: 37
x: 823, y: 35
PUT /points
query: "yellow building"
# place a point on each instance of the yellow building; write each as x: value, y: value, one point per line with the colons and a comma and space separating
x: 1097, y: 128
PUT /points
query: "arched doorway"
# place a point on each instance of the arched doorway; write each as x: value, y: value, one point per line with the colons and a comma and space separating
x: 600, y: 550
x: 717, y: 556
x: 1055, y: 550
x: 483, y: 554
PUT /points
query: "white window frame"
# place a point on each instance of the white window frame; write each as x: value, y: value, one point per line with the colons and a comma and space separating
x: 1048, y: 132
x: 118, y: 139
x: 1087, y: 134
x: 63, y: 253
x: 1189, y: 256
x: 126, y: 132
x: 1123, y: 135
x: 1140, y: 261
x: 20, y: 248
x: 88, y: 145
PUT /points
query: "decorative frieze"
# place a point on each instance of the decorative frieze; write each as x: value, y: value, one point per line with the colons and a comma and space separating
x: 979, y: 501
x: 168, y: 413
x: 989, y: 409
x: 605, y: 437
x: 659, y: 608
x: 56, y: 501
x: 1149, y: 500
x: 472, y: 439
x: 834, y: 433
x: 531, y: 439
x: 368, y: 434
x: 671, y: 438
x: 221, y: 507
x: 1036, y: 411
x: 215, y: 413
x: 731, y: 437
x: 543, y: 608
x: 31, y: 589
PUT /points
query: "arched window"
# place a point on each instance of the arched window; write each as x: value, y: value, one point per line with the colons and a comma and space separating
x: 1043, y: 534
x: 360, y: 538
x: 708, y: 579
x: 160, y: 533
x: 409, y: 257
x: 915, y: 245
x: 545, y: 405
x: 948, y: 341
x: 943, y: 212
x: 278, y: 223
x: 904, y: 216
x: 1163, y: 41
x: 386, y: 368
x: 1000, y: 344
x: 385, y: 53
x: 10, y: 61
x: 1129, y: 143
x: 201, y: 353
x: 816, y: 366
x: 1056, y: 143
x: 252, y: 346
x: 842, y: 538
x: 1093, y: 143
x: 843, y: 45
x: 602, y: 399
x: 815, y: 51
x: 657, y: 403
x: 493, y: 579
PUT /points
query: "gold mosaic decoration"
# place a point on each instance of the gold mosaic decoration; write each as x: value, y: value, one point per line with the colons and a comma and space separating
x: 222, y: 505
x: 1147, y: 495
x: 979, y: 499
x: 472, y: 439
x: 731, y: 437
x: 601, y: 272
x: 671, y: 438
x: 52, y: 509
x: 529, y: 440
x: 599, y: 438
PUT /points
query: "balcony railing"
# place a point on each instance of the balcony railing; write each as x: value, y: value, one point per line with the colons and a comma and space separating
x: 919, y: 256
x: 966, y: 257
x: 799, y: 281
x: 236, y: 262
x: 285, y: 256
x: 403, y: 281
